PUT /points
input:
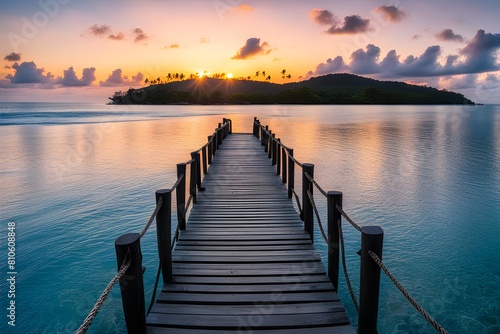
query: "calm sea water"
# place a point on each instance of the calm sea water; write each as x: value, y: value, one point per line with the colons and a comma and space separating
x: 74, y: 177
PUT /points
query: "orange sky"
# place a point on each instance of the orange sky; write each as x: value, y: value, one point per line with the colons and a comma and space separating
x: 47, y: 46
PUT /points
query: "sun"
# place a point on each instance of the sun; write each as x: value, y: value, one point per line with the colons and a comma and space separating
x: 229, y: 75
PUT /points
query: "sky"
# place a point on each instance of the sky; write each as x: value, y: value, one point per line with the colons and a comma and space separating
x: 83, y: 51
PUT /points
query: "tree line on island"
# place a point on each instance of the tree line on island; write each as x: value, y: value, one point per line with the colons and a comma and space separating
x: 327, y: 89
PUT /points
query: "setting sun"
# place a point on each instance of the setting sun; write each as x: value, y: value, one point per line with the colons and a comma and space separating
x: 229, y: 75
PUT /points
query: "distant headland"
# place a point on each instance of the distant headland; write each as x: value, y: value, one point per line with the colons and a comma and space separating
x: 327, y: 89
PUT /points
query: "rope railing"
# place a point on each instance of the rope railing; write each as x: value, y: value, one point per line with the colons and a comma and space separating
x: 344, y: 266
x: 407, y: 295
x: 356, y: 226
x: 316, y: 184
x: 153, y: 215
x: 93, y: 313
x: 318, y: 219
x: 297, y: 200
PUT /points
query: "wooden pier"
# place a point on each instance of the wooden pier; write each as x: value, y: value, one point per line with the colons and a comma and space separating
x: 245, y: 263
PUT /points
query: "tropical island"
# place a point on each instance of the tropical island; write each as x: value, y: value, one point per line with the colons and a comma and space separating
x: 327, y: 89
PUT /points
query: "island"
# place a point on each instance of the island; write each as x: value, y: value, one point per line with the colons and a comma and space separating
x: 328, y: 89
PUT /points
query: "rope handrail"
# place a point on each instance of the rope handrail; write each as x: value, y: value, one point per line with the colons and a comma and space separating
x: 344, y: 266
x: 176, y: 184
x: 405, y: 293
x: 153, y: 215
x: 297, y: 200
x: 93, y: 313
x: 295, y: 160
x: 316, y: 184
x: 356, y: 226
x: 313, y: 204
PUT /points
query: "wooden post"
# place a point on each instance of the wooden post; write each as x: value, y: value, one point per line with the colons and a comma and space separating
x: 270, y: 143
x: 274, y: 143
x: 307, y: 208
x: 180, y: 195
x: 255, y: 127
x: 225, y: 131
x: 131, y: 284
x: 214, y: 142
x: 193, y: 182
x: 283, y: 164
x: 164, y: 233
x: 230, y: 126
x: 219, y: 135
x: 278, y: 157
x: 334, y: 219
x: 261, y: 136
x: 204, y: 159
x: 372, y: 238
x: 198, y: 170
x: 291, y: 173
x: 266, y: 139
x: 209, y: 147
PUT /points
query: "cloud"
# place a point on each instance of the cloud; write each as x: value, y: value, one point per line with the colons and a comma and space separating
x: 252, y: 48
x: 478, y: 56
x: 28, y: 73
x: 449, y: 35
x: 118, y: 37
x: 140, y: 36
x: 481, y: 53
x: 116, y: 78
x: 13, y: 57
x: 352, y: 25
x: 322, y: 17
x: 70, y: 79
x: 99, y: 30
x: 416, y: 37
x: 174, y: 46
x: 459, y: 82
x: 365, y: 62
x: 204, y: 40
x: 391, y: 13
x: 331, y: 66
x: 243, y: 8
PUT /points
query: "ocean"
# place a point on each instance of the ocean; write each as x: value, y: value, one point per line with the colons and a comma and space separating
x: 74, y: 177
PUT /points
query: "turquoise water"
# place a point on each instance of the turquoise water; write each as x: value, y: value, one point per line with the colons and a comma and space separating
x: 75, y: 177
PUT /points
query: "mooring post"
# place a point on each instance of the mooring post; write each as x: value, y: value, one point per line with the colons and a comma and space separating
x: 372, y: 238
x: 283, y: 165
x: 193, y: 182
x: 164, y: 234
x: 270, y: 144
x: 266, y: 139
x: 278, y: 157
x: 204, y: 159
x: 291, y: 173
x: 255, y: 127
x: 131, y: 284
x: 230, y: 126
x: 307, y: 208
x: 261, y: 129
x: 214, y: 142
x: 198, y: 170
x: 209, y: 147
x: 334, y: 220
x: 274, y: 143
x: 225, y: 131
x: 180, y: 195
x: 219, y: 135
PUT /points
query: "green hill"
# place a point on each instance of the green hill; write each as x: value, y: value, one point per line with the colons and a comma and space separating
x: 327, y: 89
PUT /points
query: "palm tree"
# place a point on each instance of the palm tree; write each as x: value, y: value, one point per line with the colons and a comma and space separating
x: 283, y: 72
x: 257, y: 73
x: 176, y: 76
x: 169, y: 76
x: 289, y: 76
x: 182, y: 76
x: 268, y: 78
x: 146, y: 81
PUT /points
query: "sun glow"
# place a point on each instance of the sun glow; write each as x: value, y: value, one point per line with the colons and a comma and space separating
x: 229, y: 75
